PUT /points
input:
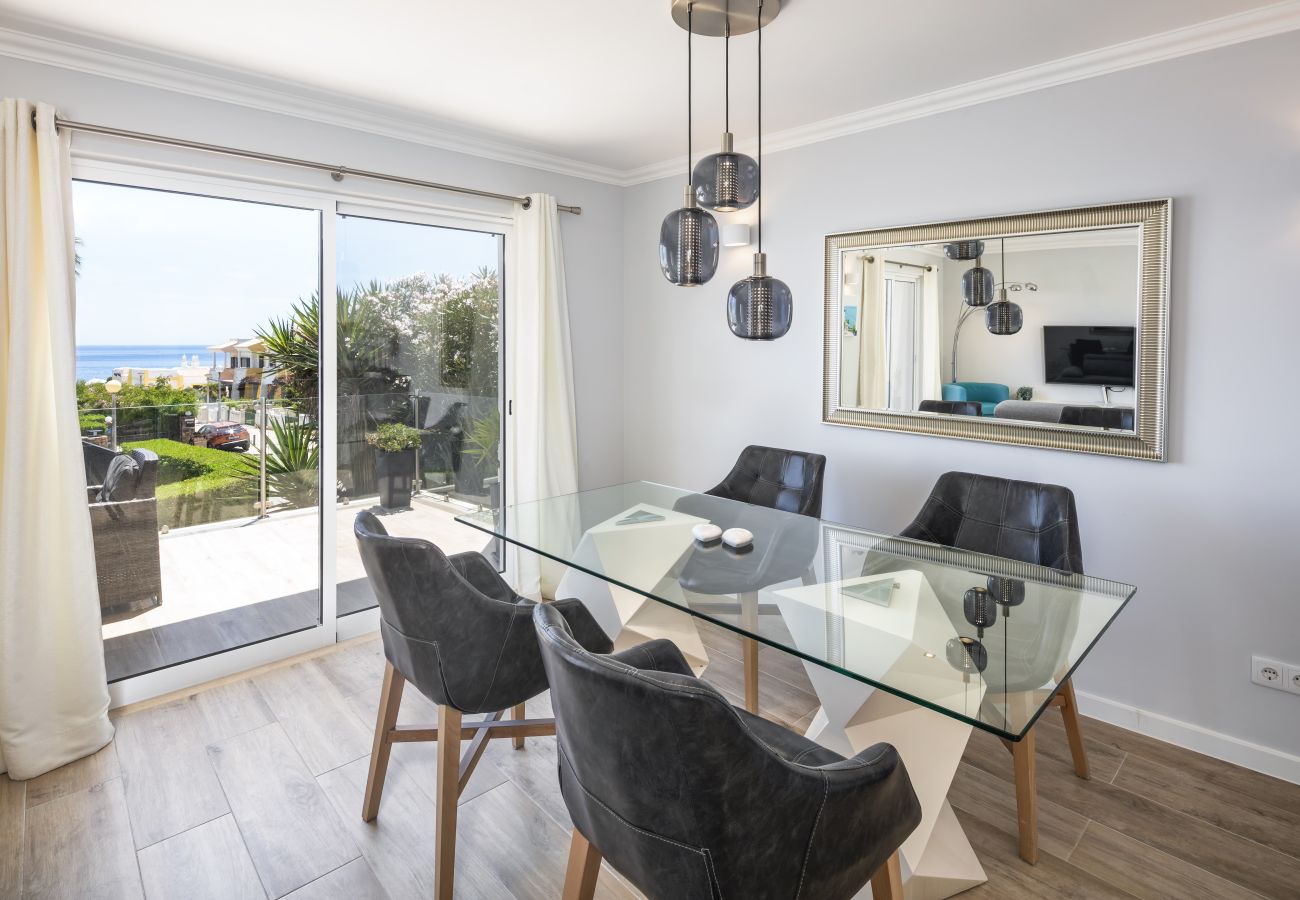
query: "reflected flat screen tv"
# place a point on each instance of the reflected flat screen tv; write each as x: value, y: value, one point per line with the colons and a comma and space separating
x: 1089, y: 354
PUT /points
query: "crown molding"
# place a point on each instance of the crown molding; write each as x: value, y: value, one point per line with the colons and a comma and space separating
x: 83, y: 52
x: 80, y: 51
x: 1210, y: 35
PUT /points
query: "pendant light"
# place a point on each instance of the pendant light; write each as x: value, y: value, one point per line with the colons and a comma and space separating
x: 688, y: 238
x: 1004, y: 317
x: 760, y: 307
x: 977, y: 285
x: 726, y: 181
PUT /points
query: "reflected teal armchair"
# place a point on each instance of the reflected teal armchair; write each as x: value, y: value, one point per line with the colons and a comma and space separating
x: 987, y: 394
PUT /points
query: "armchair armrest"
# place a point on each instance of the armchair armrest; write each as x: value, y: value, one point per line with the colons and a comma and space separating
x: 657, y: 656
x: 586, y: 630
x: 474, y: 568
x: 869, y: 794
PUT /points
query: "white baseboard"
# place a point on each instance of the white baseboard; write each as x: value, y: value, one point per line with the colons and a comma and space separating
x: 1277, y: 763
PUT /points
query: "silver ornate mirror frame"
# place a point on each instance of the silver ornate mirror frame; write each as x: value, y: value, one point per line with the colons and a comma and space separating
x: 1152, y: 217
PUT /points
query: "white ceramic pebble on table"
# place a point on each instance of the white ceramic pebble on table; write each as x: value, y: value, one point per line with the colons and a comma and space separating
x: 706, y: 532
x: 737, y: 537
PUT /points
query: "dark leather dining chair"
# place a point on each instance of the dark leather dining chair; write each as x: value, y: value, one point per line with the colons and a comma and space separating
x: 789, y: 480
x: 1020, y: 520
x: 453, y: 628
x: 690, y: 798
x: 951, y: 407
x: 767, y: 477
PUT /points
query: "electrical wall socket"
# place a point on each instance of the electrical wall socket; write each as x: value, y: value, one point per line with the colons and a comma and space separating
x: 1267, y: 672
x: 1273, y: 674
x: 1291, y: 679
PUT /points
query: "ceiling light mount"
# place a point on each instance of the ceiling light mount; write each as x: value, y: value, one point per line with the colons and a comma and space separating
x: 711, y: 16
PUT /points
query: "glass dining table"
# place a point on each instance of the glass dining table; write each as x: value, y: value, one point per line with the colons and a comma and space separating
x: 903, y: 641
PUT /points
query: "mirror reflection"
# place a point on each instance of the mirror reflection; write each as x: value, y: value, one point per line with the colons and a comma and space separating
x: 1038, y: 328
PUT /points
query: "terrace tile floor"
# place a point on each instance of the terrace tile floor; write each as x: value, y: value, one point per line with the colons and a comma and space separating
x: 235, y: 583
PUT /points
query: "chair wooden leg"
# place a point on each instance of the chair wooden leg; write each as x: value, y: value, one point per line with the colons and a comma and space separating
x: 750, y: 653
x: 1070, y: 715
x: 1022, y: 755
x: 390, y: 701
x: 517, y: 712
x: 887, y: 882
x: 749, y: 648
x: 444, y: 857
x: 584, y: 867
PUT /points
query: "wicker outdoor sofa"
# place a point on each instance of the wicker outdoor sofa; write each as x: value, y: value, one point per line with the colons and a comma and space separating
x: 120, y: 488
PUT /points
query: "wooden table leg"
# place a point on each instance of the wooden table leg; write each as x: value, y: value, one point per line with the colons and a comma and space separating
x: 1022, y: 754
x: 444, y: 855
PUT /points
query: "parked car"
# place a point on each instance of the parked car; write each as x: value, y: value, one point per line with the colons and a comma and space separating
x: 224, y: 436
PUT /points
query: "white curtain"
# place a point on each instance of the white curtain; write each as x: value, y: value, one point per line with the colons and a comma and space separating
x: 53, y: 696
x: 541, y: 429
x: 930, y: 382
x: 872, y: 329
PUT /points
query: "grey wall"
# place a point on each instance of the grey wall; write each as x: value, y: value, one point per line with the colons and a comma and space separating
x: 1210, y: 537
x: 592, y: 241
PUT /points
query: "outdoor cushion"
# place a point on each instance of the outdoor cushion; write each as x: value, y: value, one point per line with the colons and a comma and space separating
x: 122, y: 480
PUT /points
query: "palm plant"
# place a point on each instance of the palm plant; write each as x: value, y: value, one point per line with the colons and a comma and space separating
x: 292, y: 462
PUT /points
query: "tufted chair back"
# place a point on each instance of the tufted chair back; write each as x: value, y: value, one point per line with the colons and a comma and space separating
x: 692, y: 799
x: 781, y: 479
x: 1022, y: 520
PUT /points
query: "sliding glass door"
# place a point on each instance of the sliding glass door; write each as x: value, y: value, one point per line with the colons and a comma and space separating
x: 418, y: 425
x: 233, y: 423
x: 200, y: 444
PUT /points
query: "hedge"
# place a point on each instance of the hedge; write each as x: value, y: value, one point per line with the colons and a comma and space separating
x: 197, y: 485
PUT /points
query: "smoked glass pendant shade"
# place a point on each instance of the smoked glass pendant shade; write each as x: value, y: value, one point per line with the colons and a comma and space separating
x: 760, y: 307
x: 726, y: 181
x: 688, y: 244
x: 966, y: 655
x: 964, y: 249
x: 980, y: 609
x: 1004, y: 317
x: 977, y: 286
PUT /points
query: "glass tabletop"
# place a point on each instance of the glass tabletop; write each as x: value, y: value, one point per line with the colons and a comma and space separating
x: 980, y: 638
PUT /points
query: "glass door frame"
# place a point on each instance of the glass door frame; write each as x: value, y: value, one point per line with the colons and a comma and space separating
x: 329, y: 204
x: 367, y: 620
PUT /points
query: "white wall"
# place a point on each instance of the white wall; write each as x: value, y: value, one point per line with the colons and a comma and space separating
x: 592, y: 244
x: 1209, y: 537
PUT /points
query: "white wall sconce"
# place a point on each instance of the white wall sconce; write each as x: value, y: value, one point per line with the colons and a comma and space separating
x: 735, y: 235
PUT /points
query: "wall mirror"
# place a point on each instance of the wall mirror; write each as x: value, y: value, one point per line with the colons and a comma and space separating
x: 1043, y: 329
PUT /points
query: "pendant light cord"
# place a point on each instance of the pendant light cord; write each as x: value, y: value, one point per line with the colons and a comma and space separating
x: 726, y: 77
x: 690, y: 33
x: 760, y: 126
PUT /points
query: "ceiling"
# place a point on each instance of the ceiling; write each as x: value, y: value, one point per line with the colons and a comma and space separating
x: 602, y: 83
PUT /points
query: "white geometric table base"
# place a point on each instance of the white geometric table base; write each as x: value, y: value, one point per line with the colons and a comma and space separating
x: 937, y: 858
x: 641, y: 555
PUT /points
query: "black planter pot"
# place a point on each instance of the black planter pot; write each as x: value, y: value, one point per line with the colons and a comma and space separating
x: 395, y: 476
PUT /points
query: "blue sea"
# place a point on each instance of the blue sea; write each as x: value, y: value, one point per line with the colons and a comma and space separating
x: 99, y: 360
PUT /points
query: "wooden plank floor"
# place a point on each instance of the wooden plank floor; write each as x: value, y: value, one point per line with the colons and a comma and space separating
x: 252, y: 788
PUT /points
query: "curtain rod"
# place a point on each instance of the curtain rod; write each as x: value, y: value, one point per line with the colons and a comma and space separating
x: 336, y: 172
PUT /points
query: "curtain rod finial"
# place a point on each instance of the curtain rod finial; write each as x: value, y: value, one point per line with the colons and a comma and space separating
x: 527, y: 203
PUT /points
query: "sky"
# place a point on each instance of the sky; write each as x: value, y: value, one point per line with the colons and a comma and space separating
x: 166, y: 268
